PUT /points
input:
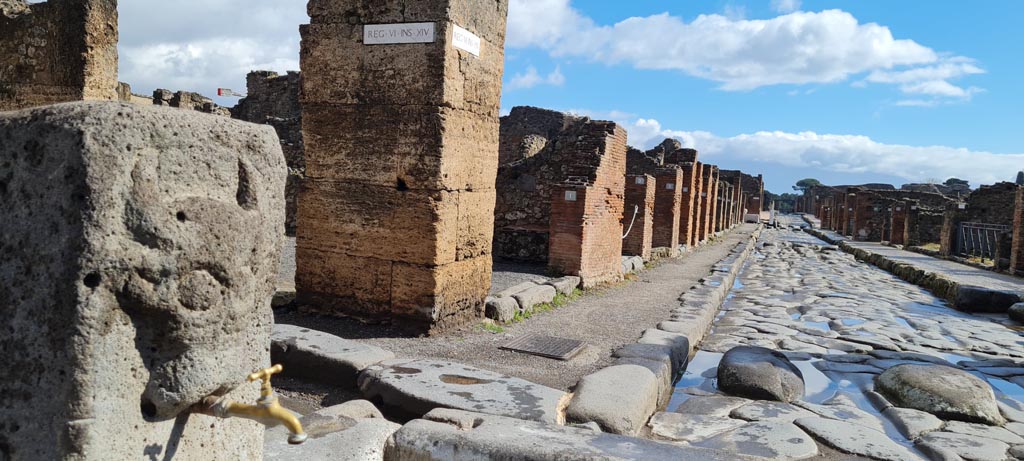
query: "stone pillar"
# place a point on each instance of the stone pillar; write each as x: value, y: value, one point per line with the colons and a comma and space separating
x: 712, y: 194
x: 638, y: 216
x: 396, y: 217
x: 667, y: 207
x: 1017, y: 245
x: 688, y: 204
x: 707, y: 176
x: 951, y: 220
x: 134, y: 283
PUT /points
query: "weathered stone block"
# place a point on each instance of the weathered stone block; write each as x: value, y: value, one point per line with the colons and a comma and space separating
x: 140, y: 251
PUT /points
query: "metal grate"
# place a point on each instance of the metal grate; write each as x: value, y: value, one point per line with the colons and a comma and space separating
x: 546, y: 346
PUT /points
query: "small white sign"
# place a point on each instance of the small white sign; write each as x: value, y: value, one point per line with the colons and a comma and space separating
x: 570, y: 196
x: 670, y: 186
x: 641, y: 180
x: 686, y: 189
x: 466, y: 40
x: 389, y: 34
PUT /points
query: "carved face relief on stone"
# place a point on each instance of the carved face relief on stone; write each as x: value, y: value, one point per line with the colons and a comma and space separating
x: 193, y: 274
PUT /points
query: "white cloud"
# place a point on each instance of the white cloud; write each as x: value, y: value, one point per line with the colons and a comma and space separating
x: 532, y: 78
x: 207, y: 44
x: 848, y: 154
x: 796, y: 48
x: 785, y: 6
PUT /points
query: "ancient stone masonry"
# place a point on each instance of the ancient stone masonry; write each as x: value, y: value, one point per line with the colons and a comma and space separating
x: 274, y: 100
x: 989, y: 205
x: 753, y: 188
x: 560, y: 199
x: 638, y: 216
x: 586, y: 210
x: 396, y: 216
x: 124, y: 94
x: 668, y: 192
x: 189, y: 101
x: 709, y: 175
x: 135, y: 284
x: 534, y: 164
x: 57, y: 51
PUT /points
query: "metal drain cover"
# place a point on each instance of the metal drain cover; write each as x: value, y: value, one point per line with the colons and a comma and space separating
x: 546, y: 346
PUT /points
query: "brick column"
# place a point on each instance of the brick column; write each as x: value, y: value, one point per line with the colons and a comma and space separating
x: 396, y: 217
x: 639, y: 211
x: 705, y: 203
x: 712, y: 198
x: 951, y: 220
x: 687, y: 208
x: 667, y: 201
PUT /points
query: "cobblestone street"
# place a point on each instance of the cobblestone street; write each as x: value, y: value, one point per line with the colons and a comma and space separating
x: 842, y: 323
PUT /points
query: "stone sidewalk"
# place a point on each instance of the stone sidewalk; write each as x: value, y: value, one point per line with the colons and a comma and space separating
x: 966, y: 287
x: 604, y: 319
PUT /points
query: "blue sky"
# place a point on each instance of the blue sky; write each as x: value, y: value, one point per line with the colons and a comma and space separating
x: 843, y: 91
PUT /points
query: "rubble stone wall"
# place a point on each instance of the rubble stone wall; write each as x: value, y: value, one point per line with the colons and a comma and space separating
x: 273, y: 100
x: 57, y: 51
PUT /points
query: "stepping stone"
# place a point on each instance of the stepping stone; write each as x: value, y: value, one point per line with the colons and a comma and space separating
x: 855, y: 439
x: 620, y: 399
x: 419, y: 386
x: 912, y: 423
x: 966, y: 446
x: 946, y: 392
x: 565, y: 285
x: 322, y: 357
x: 777, y: 412
x: 775, y: 441
x: 759, y: 373
x: 533, y: 296
x: 678, y: 427
x: 502, y: 310
x: 443, y: 433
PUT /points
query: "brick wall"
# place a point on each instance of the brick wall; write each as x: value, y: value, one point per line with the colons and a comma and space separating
x: 639, y: 211
x: 689, y: 204
x: 587, y: 210
x: 667, y: 207
x: 57, y: 51
x: 1017, y: 244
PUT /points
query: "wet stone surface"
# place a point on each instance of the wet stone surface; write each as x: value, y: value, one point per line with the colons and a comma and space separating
x: 843, y: 323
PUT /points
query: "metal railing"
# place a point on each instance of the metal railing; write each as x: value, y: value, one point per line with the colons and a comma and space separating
x: 980, y: 240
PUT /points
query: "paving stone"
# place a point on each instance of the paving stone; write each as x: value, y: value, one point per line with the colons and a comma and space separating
x: 1016, y: 312
x: 502, y: 310
x: 760, y: 373
x: 982, y: 430
x: 419, y: 386
x: 1012, y: 411
x: 770, y: 411
x: 620, y: 399
x: 565, y: 285
x: 690, y: 428
x: 508, y: 292
x: 654, y: 352
x: 715, y: 405
x: 856, y: 439
x: 661, y: 369
x: 679, y: 344
x: 968, y: 447
x: 1016, y: 428
x: 946, y: 392
x: 845, y: 411
x: 353, y: 431
x: 775, y: 441
x: 912, y: 423
x: 459, y: 435
x: 535, y: 295
x: 322, y: 357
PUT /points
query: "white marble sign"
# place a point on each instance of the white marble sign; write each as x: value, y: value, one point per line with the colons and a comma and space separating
x: 466, y: 40
x: 388, y: 34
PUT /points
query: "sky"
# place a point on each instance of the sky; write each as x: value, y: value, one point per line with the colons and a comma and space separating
x: 845, y: 92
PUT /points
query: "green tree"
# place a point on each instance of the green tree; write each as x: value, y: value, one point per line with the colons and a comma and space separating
x: 804, y: 184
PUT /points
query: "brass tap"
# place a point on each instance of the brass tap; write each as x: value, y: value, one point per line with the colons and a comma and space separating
x: 267, y: 410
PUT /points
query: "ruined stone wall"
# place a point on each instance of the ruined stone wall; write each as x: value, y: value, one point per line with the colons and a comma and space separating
x: 274, y: 100
x: 992, y: 204
x: 587, y: 209
x: 396, y: 216
x: 57, y: 51
x: 525, y: 187
x: 189, y: 101
x: 689, y: 204
x: 667, y: 207
x: 639, y: 211
x: 753, y: 186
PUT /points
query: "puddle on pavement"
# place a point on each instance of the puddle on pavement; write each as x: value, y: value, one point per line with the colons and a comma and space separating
x: 817, y: 387
x: 852, y: 322
x: 823, y: 326
x: 902, y: 321
x: 1007, y: 388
